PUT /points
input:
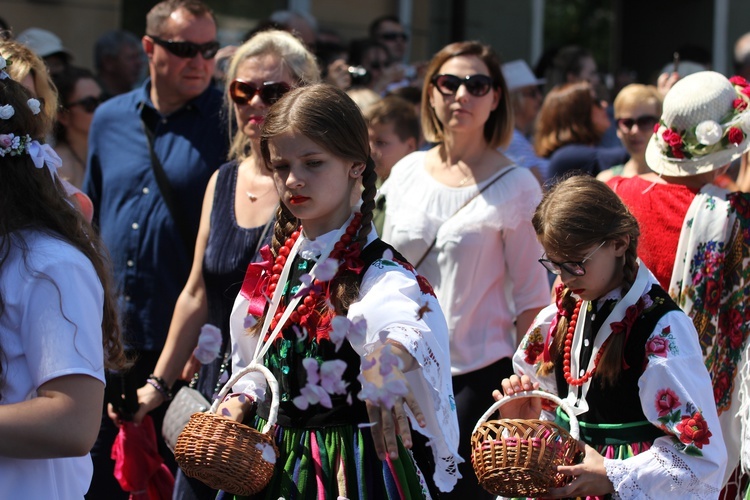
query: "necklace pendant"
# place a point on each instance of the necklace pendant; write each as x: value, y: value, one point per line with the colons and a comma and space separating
x: 251, y: 196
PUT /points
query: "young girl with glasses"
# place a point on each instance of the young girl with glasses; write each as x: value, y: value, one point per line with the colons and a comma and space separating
x: 461, y: 212
x: 621, y: 353
x: 352, y: 334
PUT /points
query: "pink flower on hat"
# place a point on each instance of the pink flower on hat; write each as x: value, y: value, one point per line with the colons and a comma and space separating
x: 739, y: 104
x: 738, y: 80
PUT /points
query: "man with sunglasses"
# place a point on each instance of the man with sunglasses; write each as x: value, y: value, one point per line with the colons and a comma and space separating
x: 151, y: 154
x: 388, y: 31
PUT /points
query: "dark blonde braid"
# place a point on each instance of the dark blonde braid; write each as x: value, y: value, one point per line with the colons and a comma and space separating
x: 285, y: 225
x: 368, y: 201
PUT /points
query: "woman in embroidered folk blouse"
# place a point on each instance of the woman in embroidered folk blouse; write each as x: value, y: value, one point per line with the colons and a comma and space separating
x: 621, y: 353
x: 699, y: 244
x: 361, y: 336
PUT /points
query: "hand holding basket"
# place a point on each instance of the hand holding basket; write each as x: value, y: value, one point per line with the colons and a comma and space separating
x: 519, y: 457
x: 226, y: 454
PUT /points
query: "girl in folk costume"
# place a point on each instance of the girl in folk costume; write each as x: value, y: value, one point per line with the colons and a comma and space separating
x: 621, y: 353
x: 355, y: 338
x: 58, y: 316
x: 699, y: 245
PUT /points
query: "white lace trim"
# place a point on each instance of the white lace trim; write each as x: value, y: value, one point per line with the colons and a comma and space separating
x: 446, y: 462
x: 628, y: 483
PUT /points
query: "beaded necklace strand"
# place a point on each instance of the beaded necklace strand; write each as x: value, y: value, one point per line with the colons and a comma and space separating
x: 307, y: 312
x: 568, y: 347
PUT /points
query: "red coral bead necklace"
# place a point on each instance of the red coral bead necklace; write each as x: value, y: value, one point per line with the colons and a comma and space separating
x: 569, y: 346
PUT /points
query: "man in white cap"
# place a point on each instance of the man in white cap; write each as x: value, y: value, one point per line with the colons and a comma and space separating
x: 48, y: 46
x: 526, y: 97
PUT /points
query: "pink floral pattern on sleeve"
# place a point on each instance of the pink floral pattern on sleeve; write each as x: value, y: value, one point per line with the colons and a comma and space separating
x: 689, y: 430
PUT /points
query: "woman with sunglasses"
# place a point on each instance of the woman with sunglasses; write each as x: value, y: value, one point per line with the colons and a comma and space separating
x: 570, y: 124
x: 238, y: 209
x: 461, y: 213
x: 79, y: 94
x: 637, y: 110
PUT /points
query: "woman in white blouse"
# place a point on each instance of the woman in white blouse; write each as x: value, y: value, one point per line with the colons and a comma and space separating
x: 461, y: 212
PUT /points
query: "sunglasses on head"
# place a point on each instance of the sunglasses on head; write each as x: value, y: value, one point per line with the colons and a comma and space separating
x: 243, y: 92
x: 645, y: 122
x: 392, y: 36
x: 476, y: 85
x: 188, y: 50
x: 89, y: 104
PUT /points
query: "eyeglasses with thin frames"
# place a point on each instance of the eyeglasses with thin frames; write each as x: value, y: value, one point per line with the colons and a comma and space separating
x: 188, y: 50
x: 571, y: 267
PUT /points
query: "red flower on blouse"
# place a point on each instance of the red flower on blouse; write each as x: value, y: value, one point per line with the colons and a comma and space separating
x: 666, y: 402
x: 694, y: 430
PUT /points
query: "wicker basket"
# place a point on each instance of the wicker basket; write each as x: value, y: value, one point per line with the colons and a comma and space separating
x: 225, y: 454
x: 518, y: 458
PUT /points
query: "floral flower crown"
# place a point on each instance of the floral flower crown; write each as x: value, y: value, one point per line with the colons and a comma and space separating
x: 14, y: 145
x: 709, y: 136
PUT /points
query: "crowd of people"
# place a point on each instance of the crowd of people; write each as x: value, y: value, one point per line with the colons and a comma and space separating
x: 398, y: 244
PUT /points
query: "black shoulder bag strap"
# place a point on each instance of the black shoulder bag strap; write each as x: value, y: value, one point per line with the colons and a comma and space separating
x: 187, y: 236
x: 434, y: 240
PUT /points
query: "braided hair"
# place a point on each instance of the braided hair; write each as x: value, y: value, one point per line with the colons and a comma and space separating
x: 328, y: 117
x: 575, y: 214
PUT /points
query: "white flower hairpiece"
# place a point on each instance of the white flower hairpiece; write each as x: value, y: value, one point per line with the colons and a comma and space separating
x: 6, y: 112
x: 34, y: 105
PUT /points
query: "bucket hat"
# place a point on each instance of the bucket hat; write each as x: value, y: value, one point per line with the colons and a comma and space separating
x: 705, y: 125
x: 43, y: 42
x: 517, y: 75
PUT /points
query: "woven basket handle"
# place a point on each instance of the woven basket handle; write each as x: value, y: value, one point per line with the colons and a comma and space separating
x: 272, y: 384
x: 574, y: 431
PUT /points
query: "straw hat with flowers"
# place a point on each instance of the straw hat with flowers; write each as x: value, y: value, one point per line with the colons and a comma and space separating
x: 704, y: 126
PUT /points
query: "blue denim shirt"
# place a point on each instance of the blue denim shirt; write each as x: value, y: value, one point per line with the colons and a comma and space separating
x: 150, y: 260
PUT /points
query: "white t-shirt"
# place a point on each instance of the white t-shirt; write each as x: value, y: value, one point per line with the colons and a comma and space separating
x: 51, y: 327
x: 483, y: 266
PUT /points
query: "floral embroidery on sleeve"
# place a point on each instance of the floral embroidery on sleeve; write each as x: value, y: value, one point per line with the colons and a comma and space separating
x: 662, y: 344
x: 690, y: 430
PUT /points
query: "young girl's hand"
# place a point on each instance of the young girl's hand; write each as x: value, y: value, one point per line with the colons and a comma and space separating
x: 521, y: 407
x: 590, y: 477
x: 388, y: 418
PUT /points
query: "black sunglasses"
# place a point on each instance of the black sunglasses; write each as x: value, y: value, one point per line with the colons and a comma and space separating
x: 476, y: 85
x: 89, y: 104
x: 188, y: 50
x: 571, y: 267
x: 392, y: 36
x: 645, y: 122
x: 243, y: 92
